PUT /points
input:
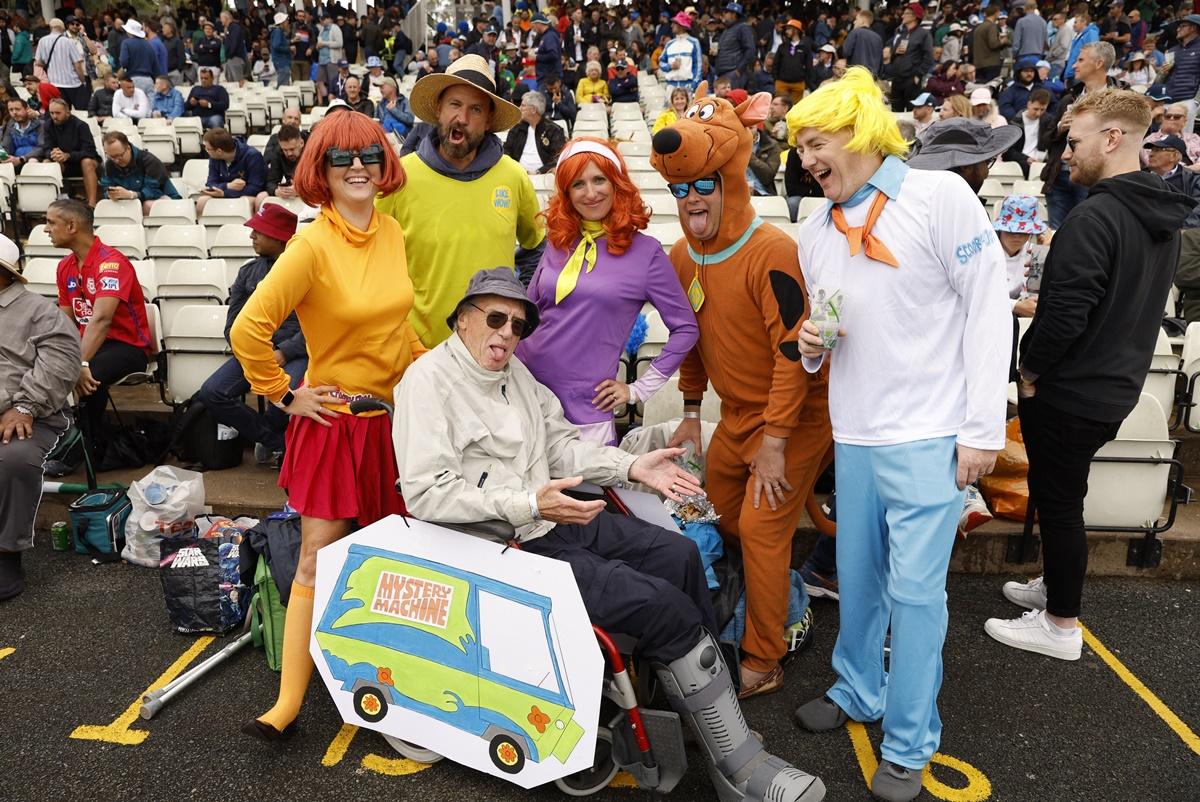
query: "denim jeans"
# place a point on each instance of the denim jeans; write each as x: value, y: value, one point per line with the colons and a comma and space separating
x: 222, y: 393
x: 1062, y: 198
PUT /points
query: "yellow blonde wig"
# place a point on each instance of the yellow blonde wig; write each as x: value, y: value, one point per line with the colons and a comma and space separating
x: 853, y: 102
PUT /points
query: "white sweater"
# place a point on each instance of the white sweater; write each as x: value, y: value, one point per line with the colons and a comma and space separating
x: 133, y: 108
x: 927, y: 344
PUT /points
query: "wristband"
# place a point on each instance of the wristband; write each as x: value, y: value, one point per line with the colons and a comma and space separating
x: 84, y: 364
x: 687, y: 403
x: 533, y: 507
x: 691, y: 415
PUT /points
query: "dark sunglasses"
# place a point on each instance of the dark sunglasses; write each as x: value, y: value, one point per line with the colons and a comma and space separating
x: 371, y: 154
x: 496, y: 320
x: 1174, y: 116
x: 703, y: 186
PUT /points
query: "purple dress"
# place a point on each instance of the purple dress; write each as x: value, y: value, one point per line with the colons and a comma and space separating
x: 578, y: 344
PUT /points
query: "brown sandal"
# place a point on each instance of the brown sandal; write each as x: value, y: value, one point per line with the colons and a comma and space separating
x: 768, y: 683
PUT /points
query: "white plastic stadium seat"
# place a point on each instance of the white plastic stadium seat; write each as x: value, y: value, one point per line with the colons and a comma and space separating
x: 179, y: 242
x: 232, y: 243
x: 666, y: 233
x: 188, y: 134
x: 42, y: 276
x: 38, y: 185
x: 189, y: 284
x: 772, y: 209
x: 1131, y: 494
x: 1161, y: 385
x: 220, y: 211
x: 118, y: 212
x: 663, y: 209
x: 39, y: 245
x: 171, y: 212
x: 195, y: 348
x: 128, y: 239
x: 808, y: 206
x: 667, y: 404
x: 195, y: 175
x: 147, y: 273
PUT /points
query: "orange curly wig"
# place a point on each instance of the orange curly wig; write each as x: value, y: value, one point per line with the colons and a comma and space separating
x: 628, y: 212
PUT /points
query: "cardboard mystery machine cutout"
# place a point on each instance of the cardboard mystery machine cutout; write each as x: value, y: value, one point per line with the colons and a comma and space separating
x: 437, y: 638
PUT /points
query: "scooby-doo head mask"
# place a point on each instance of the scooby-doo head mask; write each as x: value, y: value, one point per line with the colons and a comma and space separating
x: 714, y: 137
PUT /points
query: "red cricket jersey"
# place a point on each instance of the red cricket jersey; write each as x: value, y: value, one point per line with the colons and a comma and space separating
x: 105, y: 273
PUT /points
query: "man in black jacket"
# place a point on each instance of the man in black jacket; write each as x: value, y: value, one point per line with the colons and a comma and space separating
x: 793, y: 62
x: 68, y: 140
x: 911, y: 50
x: 1084, y: 360
x: 100, y: 106
x: 548, y: 138
x: 222, y: 392
x: 1168, y: 160
x: 736, y: 49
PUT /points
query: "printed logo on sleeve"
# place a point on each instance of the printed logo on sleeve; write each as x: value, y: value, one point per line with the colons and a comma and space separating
x: 109, y: 267
x: 975, y: 246
x: 72, y: 284
x: 109, y: 284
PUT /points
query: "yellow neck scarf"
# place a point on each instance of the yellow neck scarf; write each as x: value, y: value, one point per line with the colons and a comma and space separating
x: 354, y: 236
x: 585, y: 250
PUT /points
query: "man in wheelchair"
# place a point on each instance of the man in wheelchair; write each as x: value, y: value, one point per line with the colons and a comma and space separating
x: 477, y: 438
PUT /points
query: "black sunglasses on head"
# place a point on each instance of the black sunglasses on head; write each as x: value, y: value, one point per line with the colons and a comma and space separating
x: 371, y: 154
x: 496, y: 320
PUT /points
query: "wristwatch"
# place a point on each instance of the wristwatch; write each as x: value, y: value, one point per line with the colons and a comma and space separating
x: 286, y: 400
x: 23, y: 409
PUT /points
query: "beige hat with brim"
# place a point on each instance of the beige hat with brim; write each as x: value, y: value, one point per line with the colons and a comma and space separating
x: 470, y: 70
x: 10, y: 258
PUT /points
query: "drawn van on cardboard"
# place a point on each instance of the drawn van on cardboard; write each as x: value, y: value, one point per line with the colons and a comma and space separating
x: 478, y: 654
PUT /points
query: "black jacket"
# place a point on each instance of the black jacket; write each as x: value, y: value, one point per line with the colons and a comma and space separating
x: 917, y: 58
x: 287, y: 338
x: 1187, y: 183
x: 73, y: 136
x: 793, y: 61
x: 550, y: 141
x: 1105, y: 284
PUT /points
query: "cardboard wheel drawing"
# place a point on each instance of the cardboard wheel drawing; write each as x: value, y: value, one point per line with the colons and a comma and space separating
x: 450, y: 646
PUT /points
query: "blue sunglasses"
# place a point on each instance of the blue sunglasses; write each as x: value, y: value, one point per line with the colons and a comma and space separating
x: 703, y: 186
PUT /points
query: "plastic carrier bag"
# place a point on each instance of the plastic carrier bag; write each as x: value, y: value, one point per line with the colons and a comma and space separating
x: 201, y: 583
x: 166, y: 502
x: 1006, y: 488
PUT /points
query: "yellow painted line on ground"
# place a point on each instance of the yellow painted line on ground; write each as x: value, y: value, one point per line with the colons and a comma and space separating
x: 6, y: 651
x: 623, y: 780
x: 1186, y: 734
x: 393, y: 766
x: 977, y: 789
x: 339, y: 745
x: 118, y: 732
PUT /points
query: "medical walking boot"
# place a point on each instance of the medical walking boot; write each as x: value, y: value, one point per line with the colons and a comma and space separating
x: 699, y: 687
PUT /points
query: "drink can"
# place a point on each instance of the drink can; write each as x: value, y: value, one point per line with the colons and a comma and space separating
x: 60, y: 535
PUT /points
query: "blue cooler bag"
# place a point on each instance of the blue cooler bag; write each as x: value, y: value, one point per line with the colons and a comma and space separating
x: 98, y: 523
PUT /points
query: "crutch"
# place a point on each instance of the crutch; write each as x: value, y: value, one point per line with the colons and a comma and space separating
x: 156, y: 700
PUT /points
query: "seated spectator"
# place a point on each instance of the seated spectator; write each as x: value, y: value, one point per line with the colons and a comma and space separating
x: 764, y: 161
x: 291, y: 116
x: 100, y: 106
x: 281, y: 166
x: 235, y: 170
x: 954, y: 106
x: 623, y: 88
x: 776, y: 122
x: 1036, y: 123
x: 40, y: 93
x: 762, y: 75
x: 38, y: 367
x: 1167, y: 157
x: 452, y: 425
x: 1054, y: 86
x: 923, y: 117
x: 68, y: 140
x: 678, y: 105
x: 133, y: 173
x: 355, y: 98
x: 560, y: 105
x: 535, y: 142
x: 592, y: 88
x: 130, y: 103
x: 1016, y: 94
x: 393, y: 111
x: 375, y: 74
x: 336, y: 85
x: 208, y: 101
x: 1016, y: 224
x: 223, y: 392
x: 167, y: 103
x: 98, y: 290
x: 983, y: 108
x: 1138, y: 71
x: 1173, y: 122
x: 21, y: 133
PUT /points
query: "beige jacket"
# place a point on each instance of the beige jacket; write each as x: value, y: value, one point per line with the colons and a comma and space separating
x: 472, y: 444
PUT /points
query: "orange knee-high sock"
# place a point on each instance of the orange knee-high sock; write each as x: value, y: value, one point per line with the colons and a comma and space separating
x: 297, y: 662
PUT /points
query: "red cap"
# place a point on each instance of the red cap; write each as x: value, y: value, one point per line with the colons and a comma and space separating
x: 274, y: 221
x: 737, y: 96
x: 917, y: 9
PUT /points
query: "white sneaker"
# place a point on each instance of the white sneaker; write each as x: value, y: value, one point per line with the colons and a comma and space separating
x: 1033, y: 633
x: 974, y: 512
x: 1030, y: 595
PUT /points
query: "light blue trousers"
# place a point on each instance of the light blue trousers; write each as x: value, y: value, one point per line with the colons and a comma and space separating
x: 898, y: 510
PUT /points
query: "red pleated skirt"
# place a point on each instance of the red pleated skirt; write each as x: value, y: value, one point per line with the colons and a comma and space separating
x: 345, y: 470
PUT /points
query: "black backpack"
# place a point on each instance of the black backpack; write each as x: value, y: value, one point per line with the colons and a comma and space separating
x: 197, y: 439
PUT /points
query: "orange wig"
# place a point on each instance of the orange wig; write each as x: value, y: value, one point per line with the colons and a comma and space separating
x: 345, y: 130
x: 628, y: 213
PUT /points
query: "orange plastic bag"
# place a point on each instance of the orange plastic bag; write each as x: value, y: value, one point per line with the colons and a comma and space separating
x: 1006, y: 489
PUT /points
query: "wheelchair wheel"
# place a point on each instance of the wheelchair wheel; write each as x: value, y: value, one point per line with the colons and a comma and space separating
x: 597, y: 778
x: 411, y: 751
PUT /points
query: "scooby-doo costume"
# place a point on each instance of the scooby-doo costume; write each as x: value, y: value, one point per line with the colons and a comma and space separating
x: 747, y: 291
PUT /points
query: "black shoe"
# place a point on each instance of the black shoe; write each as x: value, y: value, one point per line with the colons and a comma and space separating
x: 12, y: 578
x: 266, y: 732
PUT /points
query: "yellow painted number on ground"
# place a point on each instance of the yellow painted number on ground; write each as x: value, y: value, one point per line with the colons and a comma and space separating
x: 977, y: 789
x: 119, y: 732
